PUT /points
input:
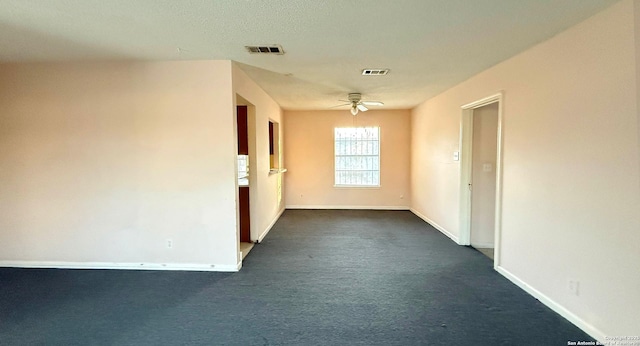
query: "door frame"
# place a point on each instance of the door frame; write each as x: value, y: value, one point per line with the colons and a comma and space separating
x: 253, y: 180
x: 466, y: 159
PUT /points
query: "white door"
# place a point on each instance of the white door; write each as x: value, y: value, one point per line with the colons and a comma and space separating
x: 483, y: 175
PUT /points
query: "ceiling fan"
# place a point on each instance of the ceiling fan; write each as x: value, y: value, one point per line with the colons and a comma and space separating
x: 356, y: 103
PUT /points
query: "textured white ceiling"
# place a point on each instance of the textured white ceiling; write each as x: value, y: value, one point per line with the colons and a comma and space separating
x: 429, y: 45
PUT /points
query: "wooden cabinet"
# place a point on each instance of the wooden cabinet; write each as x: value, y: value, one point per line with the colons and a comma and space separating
x: 245, y: 229
x: 243, y: 133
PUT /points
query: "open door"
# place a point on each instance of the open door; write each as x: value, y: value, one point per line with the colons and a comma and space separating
x: 481, y: 175
x: 483, y: 178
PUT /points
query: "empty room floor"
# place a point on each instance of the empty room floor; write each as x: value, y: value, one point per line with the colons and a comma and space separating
x: 245, y: 248
x: 486, y: 251
x: 319, y: 278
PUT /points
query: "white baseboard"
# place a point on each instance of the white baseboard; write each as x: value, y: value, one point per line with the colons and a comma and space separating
x: 347, y: 207
x: 125, y: 266
x: 273, y: 222
x: 561, y: 310
x: 436, y: 226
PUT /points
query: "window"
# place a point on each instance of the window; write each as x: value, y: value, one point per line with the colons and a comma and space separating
x: 274, y: 145
x: 357, y: 156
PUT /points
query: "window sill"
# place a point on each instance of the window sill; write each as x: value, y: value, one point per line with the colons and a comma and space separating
x: 371, y: 187
x: 276, y: 171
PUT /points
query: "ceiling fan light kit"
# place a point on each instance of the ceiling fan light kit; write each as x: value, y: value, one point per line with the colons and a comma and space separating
x: 356, y: 103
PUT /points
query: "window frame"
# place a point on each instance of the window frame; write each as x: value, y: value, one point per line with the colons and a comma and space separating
x: 335, y: 155
x: 274, y: 146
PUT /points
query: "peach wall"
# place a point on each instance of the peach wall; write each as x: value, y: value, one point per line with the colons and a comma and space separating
x: 267, y: 201
x: 102, y: 163
x: 310, y: 160
x: 571, y: 198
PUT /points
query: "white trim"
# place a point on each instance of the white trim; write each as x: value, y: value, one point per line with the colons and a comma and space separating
x: 126, y: 266
x: 497, y: 239
x: 264, y: 234
x: 465, y: 168
x: 347, y: 207
x: 553, y: 305
x: 436, y: 226
x: 373, y: 187
x: 483, y: 102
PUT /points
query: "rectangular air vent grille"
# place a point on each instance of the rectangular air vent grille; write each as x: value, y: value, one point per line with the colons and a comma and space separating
x: 273, y: 49
x: 375, y: 72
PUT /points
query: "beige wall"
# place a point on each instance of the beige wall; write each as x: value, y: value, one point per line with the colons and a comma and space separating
x: 308, y: 144
x: 101, y: 164
x: 267, y: 201
x: 483, y: 194
x: 571, y: 198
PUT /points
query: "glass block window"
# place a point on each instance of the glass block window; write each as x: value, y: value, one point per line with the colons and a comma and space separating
x: 357, y: 156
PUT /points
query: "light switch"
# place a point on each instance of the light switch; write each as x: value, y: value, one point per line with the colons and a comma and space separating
x: 487, y: 167
x: 456, y: 156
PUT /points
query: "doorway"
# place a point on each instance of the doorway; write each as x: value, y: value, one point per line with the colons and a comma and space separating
x: 243, y: 175
x: 481, y: 168
x: 246, y: 177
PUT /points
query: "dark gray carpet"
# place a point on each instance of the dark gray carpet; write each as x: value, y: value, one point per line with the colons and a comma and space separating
x: 319, y: 278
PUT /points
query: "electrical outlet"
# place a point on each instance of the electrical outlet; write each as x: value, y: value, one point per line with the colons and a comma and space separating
x: 574, y: 287
x: 169, y: 243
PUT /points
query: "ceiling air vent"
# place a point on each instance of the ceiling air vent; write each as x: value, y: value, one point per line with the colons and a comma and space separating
x: 375, y: 72
x: 273, y: 49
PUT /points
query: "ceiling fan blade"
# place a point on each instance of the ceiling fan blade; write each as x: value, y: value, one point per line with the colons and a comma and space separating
x: 342, y: 105
x: 372, y: 103
x: 362, y: 107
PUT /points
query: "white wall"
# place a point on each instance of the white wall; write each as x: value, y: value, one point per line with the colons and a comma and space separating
x: 267, y: 202
x: 102, y: 163
x: 571, y: 197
